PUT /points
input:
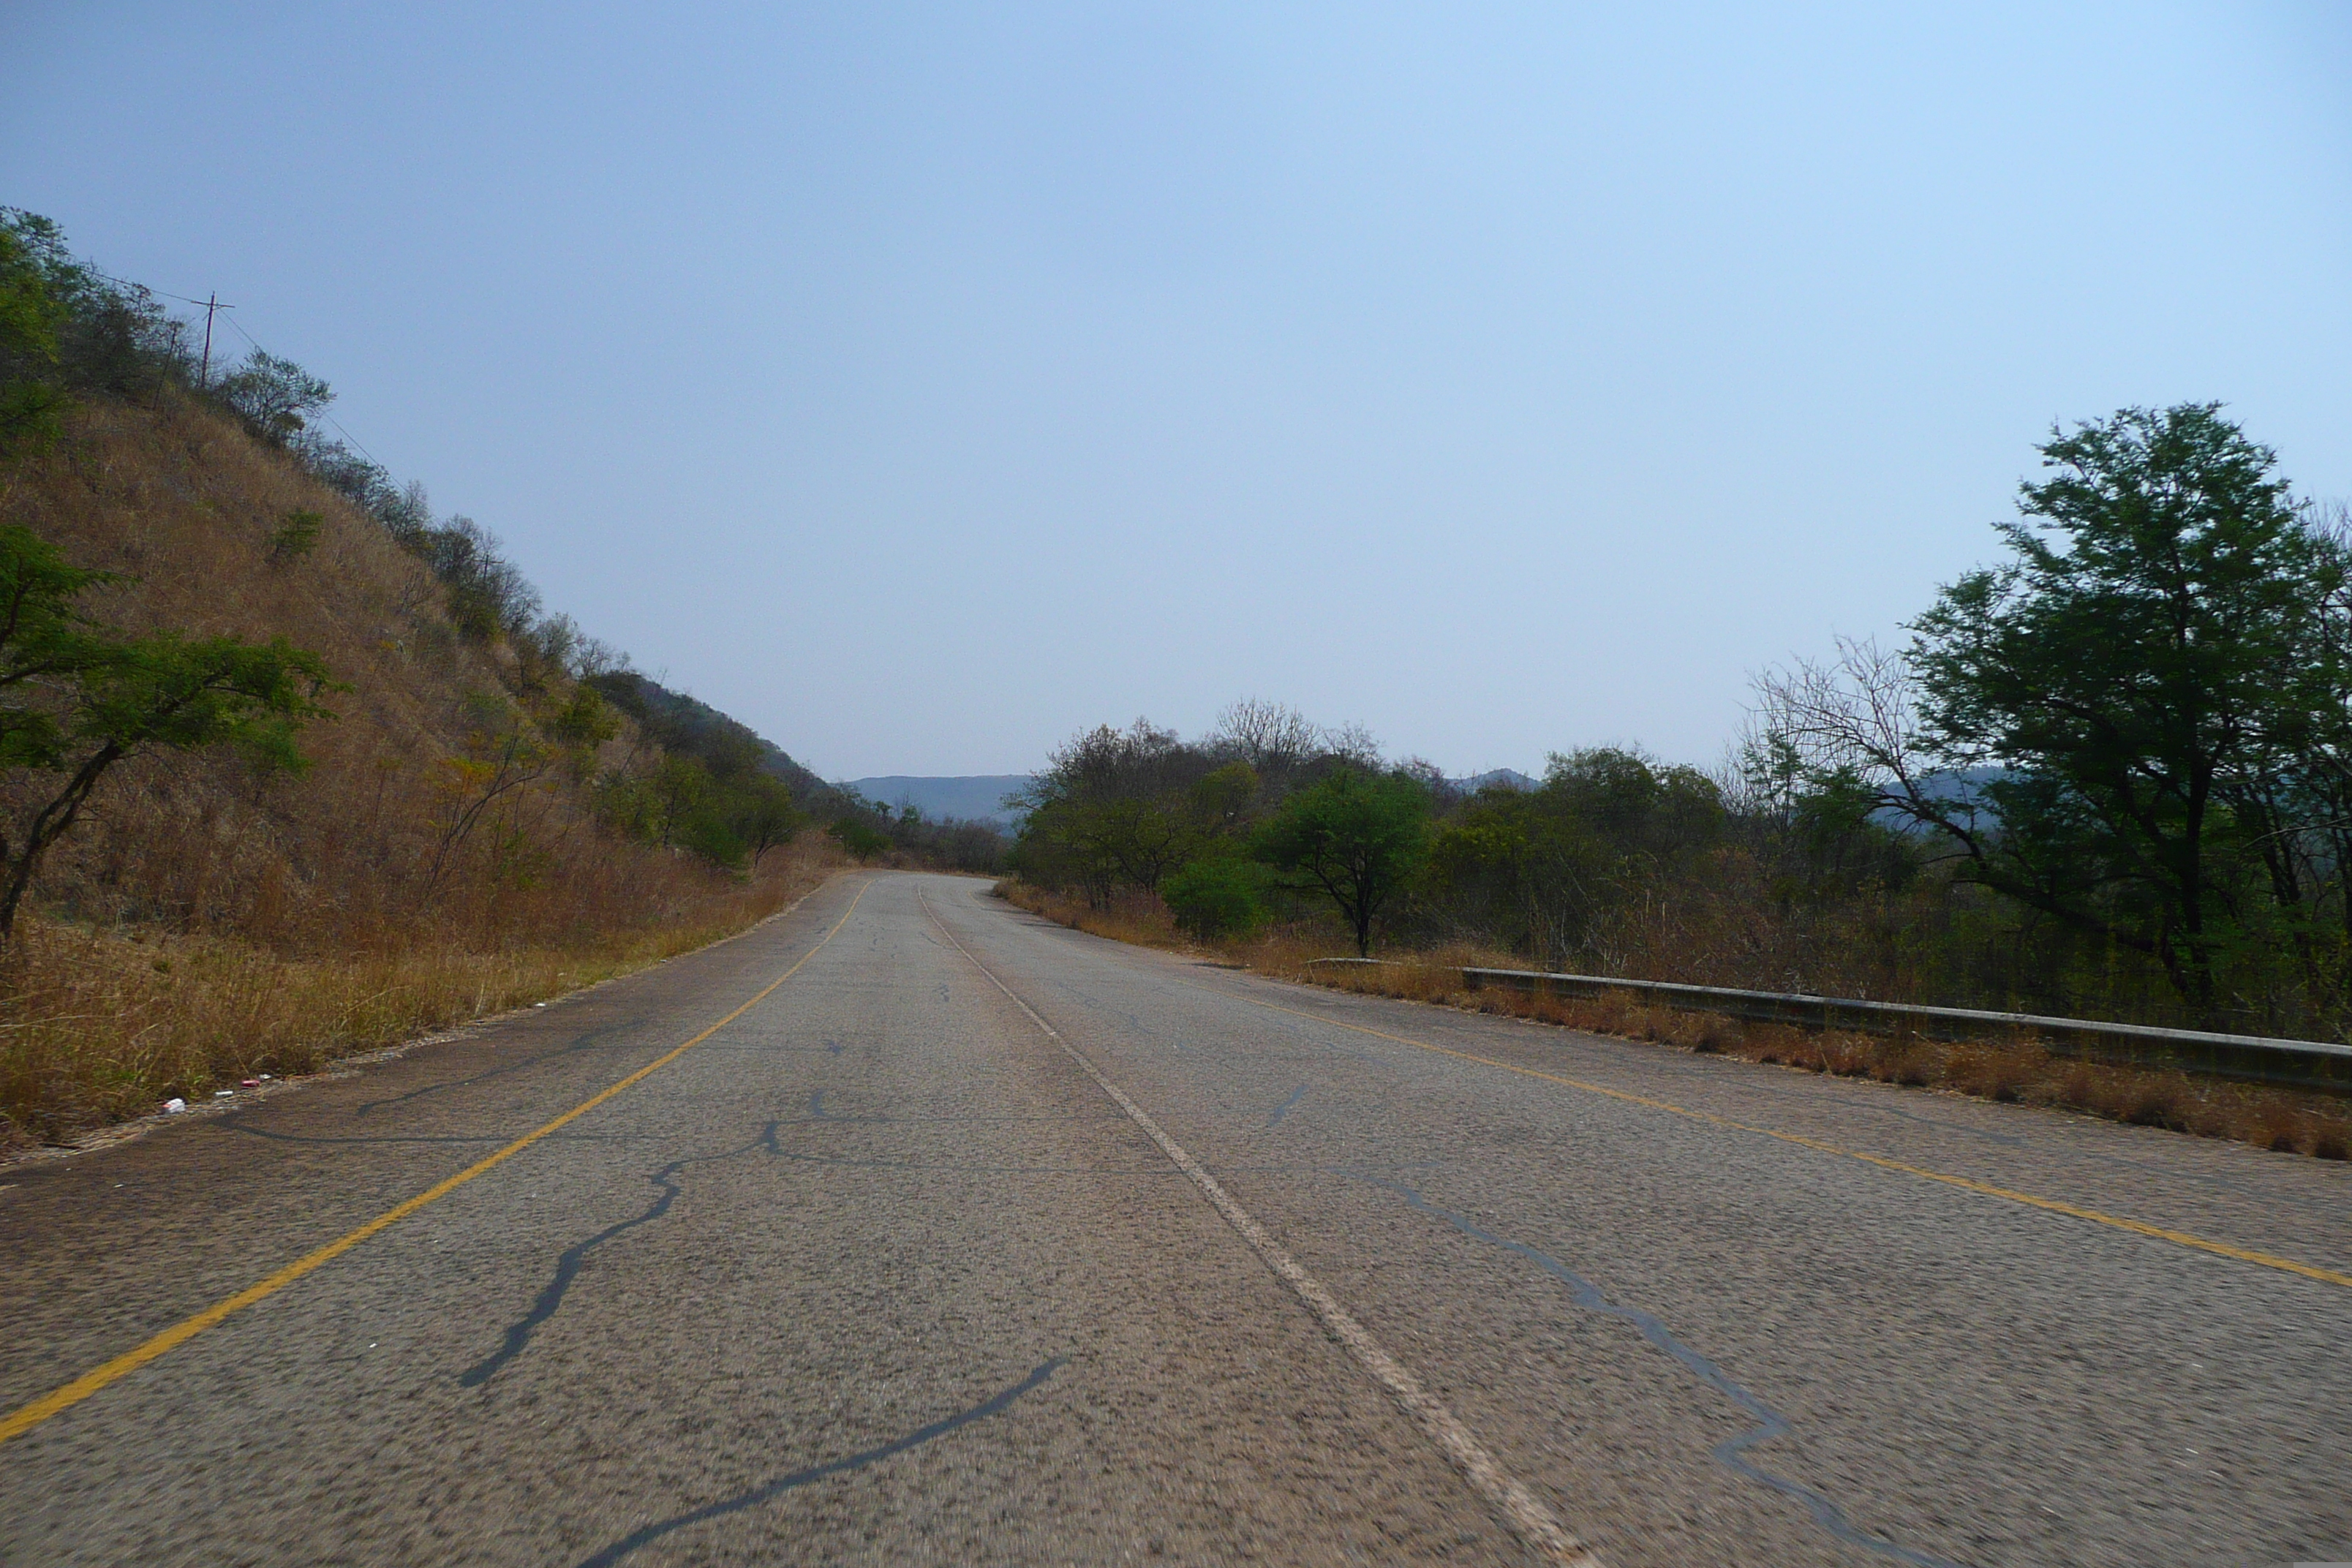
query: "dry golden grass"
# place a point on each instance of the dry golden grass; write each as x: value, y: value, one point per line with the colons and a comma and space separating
x: 184, y: 504
x: 2012, y: 1071
x: 1135, y: 917
x: 2016, y: 1072
x: 98, y: 1025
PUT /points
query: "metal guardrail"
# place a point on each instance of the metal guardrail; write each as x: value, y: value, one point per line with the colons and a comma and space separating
x: 2252, y: 1058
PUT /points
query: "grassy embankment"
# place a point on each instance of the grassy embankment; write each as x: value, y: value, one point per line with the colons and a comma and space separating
x: 103, y: 1023
x: 440, y: 858
x: 2010, y: 1072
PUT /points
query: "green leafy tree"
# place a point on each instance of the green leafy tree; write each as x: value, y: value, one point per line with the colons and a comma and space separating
x: 1052, y: 851
x: 101, y: 336
x: 1354, y: 835
x: 1551, y: 870
x: 1220, y: 799
x: 1535, y: 877
x: 275, y: 397
x: 2157, y: 632
x: 678, y: 789
x: 582, y: 723
x: 1112, y: 807
x: 1214, y: 899
x: 1143, y: 839
x: 297, y: 536
x: 77, y: 699
x: 30, y: 316
x: 860, y: 838
x: 711, y: 835
x: 761, y: 816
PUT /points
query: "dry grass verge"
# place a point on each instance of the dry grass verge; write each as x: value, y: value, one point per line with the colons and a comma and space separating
x: 2014, y: 1071
x: 1137, y: 919
x: 98, y: 1026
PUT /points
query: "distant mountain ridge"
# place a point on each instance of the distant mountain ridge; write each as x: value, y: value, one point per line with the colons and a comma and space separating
x: 970, y: 797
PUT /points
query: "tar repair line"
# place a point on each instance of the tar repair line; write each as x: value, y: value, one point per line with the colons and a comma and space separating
x: 995, y: 1406
x: 2052, y: 1205
x: 24, y: 1420
x: 568, y: 1262
x: 1731, y: 1451
x: 1535, y: 1523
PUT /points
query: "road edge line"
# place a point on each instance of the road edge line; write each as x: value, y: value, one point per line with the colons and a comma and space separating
x: 58, y: 1400
x: 2028, y: 1200
x: 1529, y: 1518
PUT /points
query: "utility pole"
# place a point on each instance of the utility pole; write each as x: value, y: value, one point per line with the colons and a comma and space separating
x: 205, y: 374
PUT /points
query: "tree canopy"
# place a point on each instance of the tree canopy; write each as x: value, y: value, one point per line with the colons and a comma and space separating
x: 78, y: 699
x: 2139, y: 723
x: 1356, y: 836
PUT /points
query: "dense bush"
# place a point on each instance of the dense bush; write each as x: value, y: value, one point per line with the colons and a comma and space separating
x: 1216, y: 899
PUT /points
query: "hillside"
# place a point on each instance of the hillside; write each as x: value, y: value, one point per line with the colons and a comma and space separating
x: 452, y: 848
x: 687, y: 724
x: 290, y: 766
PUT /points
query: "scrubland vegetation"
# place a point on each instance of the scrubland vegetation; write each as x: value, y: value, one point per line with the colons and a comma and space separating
x: 288, y: 765
x: 2009, y: 1070
x: 2109, y: 776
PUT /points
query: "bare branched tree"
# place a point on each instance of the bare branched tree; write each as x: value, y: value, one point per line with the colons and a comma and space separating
x: 1268, y: 736
x: 1353, y: 743
x: 1853, y: 721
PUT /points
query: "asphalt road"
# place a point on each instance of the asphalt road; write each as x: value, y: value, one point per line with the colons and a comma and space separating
x: 977, y: 1240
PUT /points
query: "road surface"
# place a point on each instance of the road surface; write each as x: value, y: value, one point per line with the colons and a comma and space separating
x: 978, y: 1240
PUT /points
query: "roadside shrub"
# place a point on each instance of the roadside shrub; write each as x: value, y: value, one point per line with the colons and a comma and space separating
x: 714, y: 840
x: 1714, y: 1036
x: 2279, y: 1129
x: 297, y: 536
x: 1215, y: 898
x: 1998, y: 1072
x: 2158, y: 1102
x: 858, y: 838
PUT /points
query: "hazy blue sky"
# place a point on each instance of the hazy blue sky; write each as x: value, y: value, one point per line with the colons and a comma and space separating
x: 921, y: 385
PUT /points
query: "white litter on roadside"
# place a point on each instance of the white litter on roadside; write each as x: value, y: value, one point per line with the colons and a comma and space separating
x: 174, y: 1106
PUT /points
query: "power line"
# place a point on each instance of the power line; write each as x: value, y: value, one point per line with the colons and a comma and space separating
x: 329, y: 418
x: 210, y: 306
x: 246, y: 335
x: 163, y: 293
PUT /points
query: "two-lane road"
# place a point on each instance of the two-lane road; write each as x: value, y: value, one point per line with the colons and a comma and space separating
x: 978, y: 1240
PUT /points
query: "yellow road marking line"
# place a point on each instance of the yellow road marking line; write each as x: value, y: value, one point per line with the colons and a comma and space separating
x: 2053, y: 1206
x: 179, y: 1333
